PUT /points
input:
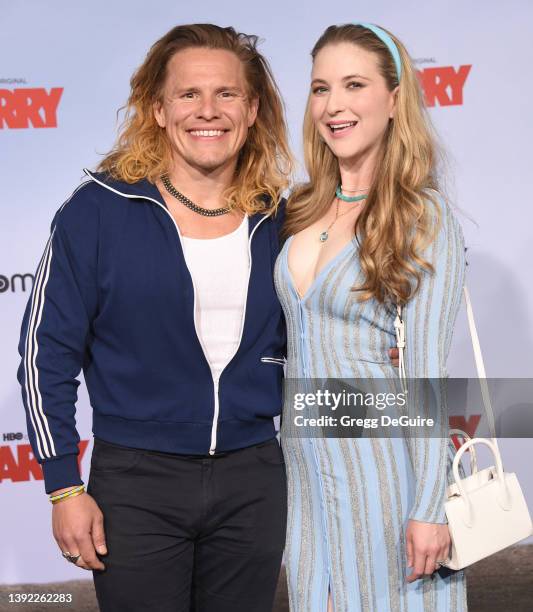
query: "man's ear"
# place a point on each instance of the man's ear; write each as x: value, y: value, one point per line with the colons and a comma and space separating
x: 394, y: 94
x: 252, y: 111
x: 159, y: 114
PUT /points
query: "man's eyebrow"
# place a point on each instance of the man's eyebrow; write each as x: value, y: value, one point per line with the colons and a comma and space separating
x: 181, y: 89
x: 229, y: 88
x: 195, y: 89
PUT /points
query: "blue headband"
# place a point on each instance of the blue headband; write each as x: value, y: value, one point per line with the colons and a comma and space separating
x: 387, y: 40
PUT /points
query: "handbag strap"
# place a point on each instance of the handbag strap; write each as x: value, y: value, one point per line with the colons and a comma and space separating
x: 399, y: 325
x: 400, y: 344
x: 480, y: 366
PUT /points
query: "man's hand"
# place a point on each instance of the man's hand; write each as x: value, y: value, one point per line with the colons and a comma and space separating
x: 78, y: 526
x: 394, y: 355
x: 426, y: 544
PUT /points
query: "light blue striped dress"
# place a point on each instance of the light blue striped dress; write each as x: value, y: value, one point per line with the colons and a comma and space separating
x: 350, y: 499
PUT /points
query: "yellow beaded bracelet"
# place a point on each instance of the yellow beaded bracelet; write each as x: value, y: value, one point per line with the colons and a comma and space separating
x: 70, y: 493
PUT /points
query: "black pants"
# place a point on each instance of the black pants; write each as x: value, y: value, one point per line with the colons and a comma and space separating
x: 188, y: 533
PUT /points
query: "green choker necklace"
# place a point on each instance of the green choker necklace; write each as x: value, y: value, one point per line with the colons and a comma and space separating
x: 345, y: 198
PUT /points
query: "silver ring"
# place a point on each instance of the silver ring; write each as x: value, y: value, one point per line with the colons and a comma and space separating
x: 71, y: 558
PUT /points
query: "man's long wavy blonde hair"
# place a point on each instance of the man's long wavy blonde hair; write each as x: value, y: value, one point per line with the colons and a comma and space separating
x: 401, y: 216
x: 143, y: 150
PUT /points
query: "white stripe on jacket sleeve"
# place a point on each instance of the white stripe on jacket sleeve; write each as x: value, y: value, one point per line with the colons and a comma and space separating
x: 39, y: 421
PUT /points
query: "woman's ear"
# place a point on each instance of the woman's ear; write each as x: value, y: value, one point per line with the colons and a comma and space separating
x: 394, y: 101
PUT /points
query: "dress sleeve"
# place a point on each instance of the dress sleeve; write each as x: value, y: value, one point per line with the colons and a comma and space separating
x: 429, y: 319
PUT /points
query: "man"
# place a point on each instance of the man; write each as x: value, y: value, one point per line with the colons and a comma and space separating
x: 166, y: 301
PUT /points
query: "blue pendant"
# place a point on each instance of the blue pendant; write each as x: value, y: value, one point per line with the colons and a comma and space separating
x: 324, y: 236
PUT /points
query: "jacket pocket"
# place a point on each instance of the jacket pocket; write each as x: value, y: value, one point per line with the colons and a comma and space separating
x: 277, y: 360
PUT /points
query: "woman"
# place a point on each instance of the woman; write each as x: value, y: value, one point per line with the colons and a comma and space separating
x: 368, y: 232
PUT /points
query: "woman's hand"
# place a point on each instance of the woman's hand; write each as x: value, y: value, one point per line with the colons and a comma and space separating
x: 426, y: 544
x: 394, y: 355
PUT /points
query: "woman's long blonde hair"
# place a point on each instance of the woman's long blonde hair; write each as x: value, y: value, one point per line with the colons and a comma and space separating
x: 142, y: 149
x: 401, y: 216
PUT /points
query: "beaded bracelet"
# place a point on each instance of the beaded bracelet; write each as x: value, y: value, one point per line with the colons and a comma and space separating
x: 70, y: 493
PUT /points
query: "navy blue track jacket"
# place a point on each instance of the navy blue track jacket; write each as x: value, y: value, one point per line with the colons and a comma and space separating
x: 113, y: 295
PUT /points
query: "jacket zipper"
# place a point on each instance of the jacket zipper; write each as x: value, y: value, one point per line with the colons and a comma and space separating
x: 213, y: 445
x: 214, y: 428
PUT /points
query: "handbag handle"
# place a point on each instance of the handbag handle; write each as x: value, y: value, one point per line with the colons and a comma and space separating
x: 472, y: 451
x: 504, y: 499
x: 399, y: 325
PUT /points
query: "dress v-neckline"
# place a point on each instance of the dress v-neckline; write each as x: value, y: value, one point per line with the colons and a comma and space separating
x: 323, y: 270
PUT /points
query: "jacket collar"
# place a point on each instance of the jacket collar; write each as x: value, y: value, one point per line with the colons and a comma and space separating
x: 142, y: 188
x: 145, y: 189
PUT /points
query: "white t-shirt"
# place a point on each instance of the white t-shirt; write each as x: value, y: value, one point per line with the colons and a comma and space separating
x: 219, y: 268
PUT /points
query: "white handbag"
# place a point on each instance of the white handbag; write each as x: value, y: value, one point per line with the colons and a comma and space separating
x: 486, y: 511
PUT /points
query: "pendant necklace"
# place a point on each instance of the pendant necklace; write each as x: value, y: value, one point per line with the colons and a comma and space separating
x: 340, y: 196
